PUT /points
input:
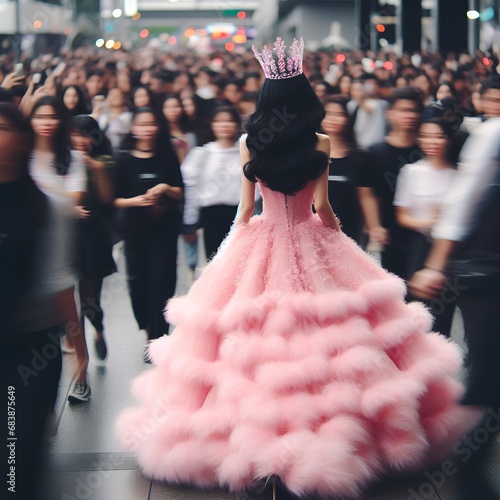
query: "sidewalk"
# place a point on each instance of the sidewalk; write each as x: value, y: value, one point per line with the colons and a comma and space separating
x: 86, y: 461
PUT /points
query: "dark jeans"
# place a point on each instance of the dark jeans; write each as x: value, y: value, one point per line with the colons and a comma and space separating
x: 481, y: 317
x: 30, y: 369
x: 216, y: 222
x: 151, y: 258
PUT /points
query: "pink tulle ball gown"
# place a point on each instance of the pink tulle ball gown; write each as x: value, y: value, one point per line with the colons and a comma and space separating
x: 294, y: 355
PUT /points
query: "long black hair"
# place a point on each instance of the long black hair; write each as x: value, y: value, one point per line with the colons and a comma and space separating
x: 163, y: 145
x: 152, y: 99
x: 348, y: 132
x: 88, y: 127
x: 184, y: 122
x: 282, y: 135
x: 60, y: 143
x: 81, y: 106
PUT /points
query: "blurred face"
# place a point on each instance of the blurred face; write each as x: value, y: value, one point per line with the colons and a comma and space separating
x: 443, y: 92
x: 232, y: 93
x: 404, y: 115
x: 421, y: 82
x: 181, y: 82
x: 116, y: 98
x: 401, y: 83
x: 80, y: 142
x: 432, y: 140
x: 345, y: 85
x: 94, y: 85
x: 172, y: 110
x: 320, y: 90
x: 490, y: 102
x: 224, y: 127
x: 141, y: 98
x: 45, y: 122
x: 189, y: 107
x: 335, y: 119
x: 70, y: 98
x: 144, y: 127
x: 252, y: 84
x: 357, y: 91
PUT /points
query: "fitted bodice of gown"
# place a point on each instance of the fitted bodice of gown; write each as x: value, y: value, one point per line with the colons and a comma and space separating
x: 288, y: 209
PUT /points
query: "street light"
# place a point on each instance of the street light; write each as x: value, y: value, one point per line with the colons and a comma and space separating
x: 473, y: 14
x: 117, y: 13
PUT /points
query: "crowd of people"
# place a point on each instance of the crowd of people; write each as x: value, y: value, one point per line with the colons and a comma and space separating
x: 142, y: 147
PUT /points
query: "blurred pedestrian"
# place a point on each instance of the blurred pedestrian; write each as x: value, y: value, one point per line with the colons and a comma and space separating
x: 212, y: 174
x: 464, y: 262
x: 114, y: 117
x: 420, y: 190
x: 60, y: 172
x: 94, y: 233
x: 149, y: 187
x: 378, y: 180
x: 36, y: 307
x: 346, y: 160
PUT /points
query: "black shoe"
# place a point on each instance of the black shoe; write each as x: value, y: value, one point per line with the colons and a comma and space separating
x: 101, y: 348
x: 80, y: 393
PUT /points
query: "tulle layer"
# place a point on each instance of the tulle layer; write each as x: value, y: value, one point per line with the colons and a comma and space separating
x: 296, y: 357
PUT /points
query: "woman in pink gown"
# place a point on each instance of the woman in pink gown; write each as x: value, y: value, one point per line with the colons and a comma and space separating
x: 294, y: 355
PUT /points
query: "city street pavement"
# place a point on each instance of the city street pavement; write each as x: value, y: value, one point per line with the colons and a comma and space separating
x: 85, y: 461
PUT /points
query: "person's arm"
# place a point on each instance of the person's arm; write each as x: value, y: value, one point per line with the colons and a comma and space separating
x: 76, y: 179
x: 405, y: 219
x: 121, y: 187
x: 247, y: 202
x: 174, y: 187
x: 101, y: 167
x: 430, y: 280
x: 371, y: 213
x: 163, y: 189
x: 321, y: 203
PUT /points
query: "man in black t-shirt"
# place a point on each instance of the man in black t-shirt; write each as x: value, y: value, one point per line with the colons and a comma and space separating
x: 377, y: 181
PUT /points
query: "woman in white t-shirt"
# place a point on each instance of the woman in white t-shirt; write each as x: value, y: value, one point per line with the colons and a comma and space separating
x: 53, y: 166
x: 59, y: 172
x: 420, y: 190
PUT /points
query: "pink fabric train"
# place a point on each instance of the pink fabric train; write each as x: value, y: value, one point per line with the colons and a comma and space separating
x: 294, y: 354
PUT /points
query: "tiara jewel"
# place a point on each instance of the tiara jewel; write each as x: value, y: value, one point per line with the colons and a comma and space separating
x: 285, y: 67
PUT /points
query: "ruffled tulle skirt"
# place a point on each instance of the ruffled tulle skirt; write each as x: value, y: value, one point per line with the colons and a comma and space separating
x: 297, y: 357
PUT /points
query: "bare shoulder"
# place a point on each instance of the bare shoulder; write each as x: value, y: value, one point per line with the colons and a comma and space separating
x: 244, y: 152
x: 323, y: 143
